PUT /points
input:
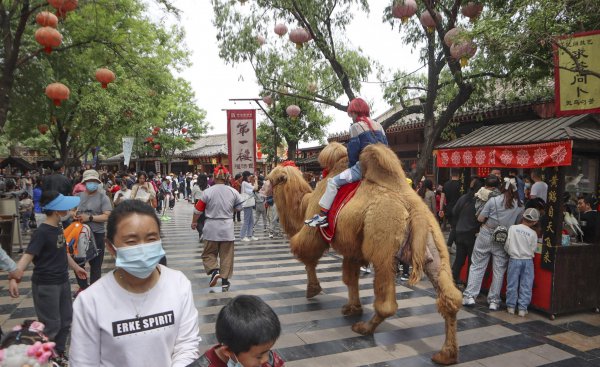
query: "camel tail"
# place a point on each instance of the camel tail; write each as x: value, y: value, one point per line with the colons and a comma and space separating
x: 449, y: 297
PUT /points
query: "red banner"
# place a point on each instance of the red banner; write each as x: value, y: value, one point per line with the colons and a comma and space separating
x: 509, y: 156
x: 241, y: 140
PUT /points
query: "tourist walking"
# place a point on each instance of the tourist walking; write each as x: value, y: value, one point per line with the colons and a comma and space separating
x: 261, y: 209
x: 143, y: 190
x: 218, y: 203
x: 247, y: 193
x: 499, y: 211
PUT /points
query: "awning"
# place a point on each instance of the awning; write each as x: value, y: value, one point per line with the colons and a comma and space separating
x: 17, y: 162
x: 526, y: 144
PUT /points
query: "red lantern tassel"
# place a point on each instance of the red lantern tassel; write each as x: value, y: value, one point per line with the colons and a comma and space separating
x: 104, y: 85
x: 48, y: 50
x: 56, y: 102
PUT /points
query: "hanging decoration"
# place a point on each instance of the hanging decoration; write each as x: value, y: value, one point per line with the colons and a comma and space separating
x: 43, y: 128
x: 157, y: 147
x: 57, y: 92
x: 150, y: 139
x: 452, y: 36
x: 260, y: 40
x: 429, y: 21
x: 46, y: 19
x: 268, y: 100
x: 463, y: 51
x: 184, y: 130
x: 280, y: 29
x: 63, y: 6
x: 299, y: 36
x: 472, y: 10
x: 404, y: 9
x: 105, y: 76
x: 293, y: 111
x: 49, y: 38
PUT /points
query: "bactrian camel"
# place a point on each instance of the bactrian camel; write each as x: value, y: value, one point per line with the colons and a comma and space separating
x: 371, y: 228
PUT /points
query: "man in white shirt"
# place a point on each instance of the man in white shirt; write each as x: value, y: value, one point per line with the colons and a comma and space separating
x: 539, y: 189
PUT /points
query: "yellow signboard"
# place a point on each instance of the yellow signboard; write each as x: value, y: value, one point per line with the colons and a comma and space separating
x: 576, y: 92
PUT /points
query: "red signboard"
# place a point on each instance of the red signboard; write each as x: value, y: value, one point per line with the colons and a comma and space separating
x: 509, y: 156
x: 241, y: 140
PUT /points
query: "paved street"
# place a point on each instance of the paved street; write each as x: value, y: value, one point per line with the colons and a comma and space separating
x: 315, y: 333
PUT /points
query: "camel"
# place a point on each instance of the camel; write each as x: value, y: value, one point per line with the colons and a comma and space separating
x: 384, y: 214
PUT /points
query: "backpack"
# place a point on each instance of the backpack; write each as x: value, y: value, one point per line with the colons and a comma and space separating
x: 81, y: 244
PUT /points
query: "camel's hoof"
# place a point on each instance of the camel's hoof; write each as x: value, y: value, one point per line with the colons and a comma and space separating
x: 445, y: 358
x: 352, y: 310
x: 362, y: 328
x: 312, y: 291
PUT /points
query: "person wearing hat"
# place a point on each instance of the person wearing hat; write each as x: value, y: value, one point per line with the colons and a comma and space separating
x: 218, y: 203
x: 520, y: 246
x: 50, y: 280
x: 93, y: 210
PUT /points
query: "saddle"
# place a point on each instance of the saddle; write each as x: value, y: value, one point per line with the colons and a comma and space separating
x: 344, y: 194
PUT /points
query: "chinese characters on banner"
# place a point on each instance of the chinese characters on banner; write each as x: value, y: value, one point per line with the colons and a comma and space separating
x: 509, y: 156
x: 241, y: 140
x: 552, y: 232
x: 576, y: 93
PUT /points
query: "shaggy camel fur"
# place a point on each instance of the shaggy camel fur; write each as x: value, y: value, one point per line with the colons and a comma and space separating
x: 371, y: 228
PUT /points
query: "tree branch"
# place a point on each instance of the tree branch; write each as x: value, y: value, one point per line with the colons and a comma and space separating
x: 409, y: 110
x: 579, y: 68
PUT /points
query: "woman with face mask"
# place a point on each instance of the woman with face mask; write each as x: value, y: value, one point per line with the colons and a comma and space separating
x: 50, y: 280
x: 93, y: 210
x: 141, y: 313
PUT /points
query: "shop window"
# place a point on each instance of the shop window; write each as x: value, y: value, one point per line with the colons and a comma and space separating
x: 581, y: 177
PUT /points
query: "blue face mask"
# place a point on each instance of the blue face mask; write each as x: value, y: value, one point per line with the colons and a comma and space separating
x: 232, y: 363
x: 140, y: 260
x: 92, y: 186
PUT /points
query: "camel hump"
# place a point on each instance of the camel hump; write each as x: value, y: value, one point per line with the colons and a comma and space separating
x: 380, y: 164
x: 333, y: 154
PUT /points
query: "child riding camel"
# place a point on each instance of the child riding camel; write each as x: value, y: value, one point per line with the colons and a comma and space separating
x: 363, y: 131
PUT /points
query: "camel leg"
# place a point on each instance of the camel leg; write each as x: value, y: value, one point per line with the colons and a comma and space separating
x: 350, y: 272
x: 313, y: 288
x: 385, y: 298
x: 440, y: 277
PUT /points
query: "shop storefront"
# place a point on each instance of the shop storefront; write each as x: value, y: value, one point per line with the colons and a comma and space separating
x: 568, y: 151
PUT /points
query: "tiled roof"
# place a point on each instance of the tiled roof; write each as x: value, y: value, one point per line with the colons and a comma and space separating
x: 581, y: 127
x: 208, y: 146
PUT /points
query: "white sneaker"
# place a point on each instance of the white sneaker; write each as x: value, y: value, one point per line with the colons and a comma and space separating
x: 522, y: 313
x: 246, y: 239
x: 317, y: 221
x: 468, y: 301
x: 254, y: 238
x: 365, y: 270
x: 494, y: 306
x: 511, y: 310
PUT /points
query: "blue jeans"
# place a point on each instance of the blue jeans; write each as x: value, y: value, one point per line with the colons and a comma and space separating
x: 248, y: 224
x: 347, y: 176
x: 519, y: 280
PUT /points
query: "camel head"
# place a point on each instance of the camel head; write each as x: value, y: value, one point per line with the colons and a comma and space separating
x: 333, y: 156
x: 381, y: 165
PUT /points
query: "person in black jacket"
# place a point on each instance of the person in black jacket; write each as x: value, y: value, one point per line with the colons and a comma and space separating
x: 467, y: 227
x: 58, y: 181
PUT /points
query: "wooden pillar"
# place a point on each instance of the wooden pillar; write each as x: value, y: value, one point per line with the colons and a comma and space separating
x: 555, y: 178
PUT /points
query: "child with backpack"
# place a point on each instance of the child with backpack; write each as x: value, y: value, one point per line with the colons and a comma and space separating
x: 246, y: 329
x: 50, y: 280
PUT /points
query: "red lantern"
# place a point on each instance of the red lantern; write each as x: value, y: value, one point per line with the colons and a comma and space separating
x: 156, y: 128
x: 156, y: 146
x: 452, y: 36
x: 63, y: 6
x: 43, y: 128
x: 149, y: 139
x: 299, y: 36
x: 293, y: 111
x: 258, y: 151
x: 184, y: 130
x: 49, y: 38
x: 280, y: 29
x: 268, y: 100
x: 404, y: 9
x: 463, y: 51
x: 429, y: 21
x: 105, y: 76
x: 46, y: 19
x: 260, y: 40
x: 155, y: 132
x: 57, y: 92
x: 472, y: 10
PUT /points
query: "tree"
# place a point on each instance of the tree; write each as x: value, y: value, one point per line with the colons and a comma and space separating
x: 181, y: 121
x: 141, y: 54
x: 508, y: 53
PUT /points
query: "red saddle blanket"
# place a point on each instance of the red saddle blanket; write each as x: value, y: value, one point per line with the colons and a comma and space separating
x: 344, y: 194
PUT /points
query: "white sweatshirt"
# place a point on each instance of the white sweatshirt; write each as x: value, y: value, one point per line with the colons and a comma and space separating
x: 521, y: 242
x: 106, y: 331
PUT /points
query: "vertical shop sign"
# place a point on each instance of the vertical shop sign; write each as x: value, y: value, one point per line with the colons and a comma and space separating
x: 576, y: 92
x: 241, y: 140
x: 554, y: 178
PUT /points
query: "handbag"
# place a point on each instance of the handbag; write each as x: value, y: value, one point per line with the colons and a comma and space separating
x: 500, y: 233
